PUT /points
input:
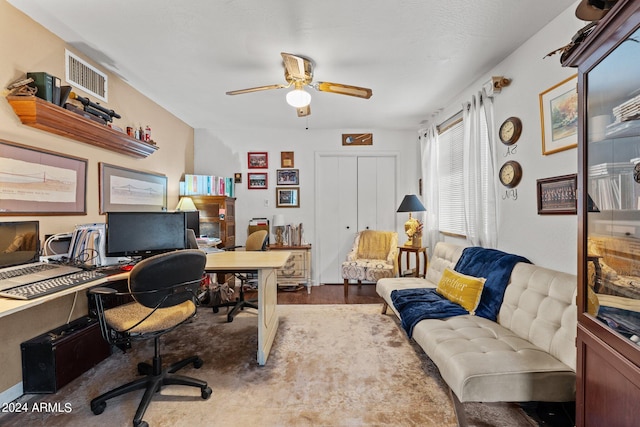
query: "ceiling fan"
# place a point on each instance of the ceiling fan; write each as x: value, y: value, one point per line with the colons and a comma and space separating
x: 298, y: 72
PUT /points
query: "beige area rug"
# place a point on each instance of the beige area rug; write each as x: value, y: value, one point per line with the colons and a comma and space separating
x: 331, y: 365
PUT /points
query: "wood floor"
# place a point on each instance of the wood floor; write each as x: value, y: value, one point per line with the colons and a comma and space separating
x: 328, y: 294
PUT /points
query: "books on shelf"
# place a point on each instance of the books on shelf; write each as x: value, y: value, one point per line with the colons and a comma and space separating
x: 207, y: 185
x: 612, y: 187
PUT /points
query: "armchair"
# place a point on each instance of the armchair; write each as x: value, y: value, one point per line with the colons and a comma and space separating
x: 374, y: 255
x: 163, y: 289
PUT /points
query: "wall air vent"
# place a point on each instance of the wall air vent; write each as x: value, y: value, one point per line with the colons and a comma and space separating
x: 86, y: 77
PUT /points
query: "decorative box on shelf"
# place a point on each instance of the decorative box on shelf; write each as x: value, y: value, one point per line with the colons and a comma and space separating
x: 49, y: 117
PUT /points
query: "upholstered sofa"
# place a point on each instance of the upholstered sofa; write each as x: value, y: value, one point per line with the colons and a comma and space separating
x: 527, y: 354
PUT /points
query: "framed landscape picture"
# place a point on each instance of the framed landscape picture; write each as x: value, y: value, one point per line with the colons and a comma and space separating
x: 559, y: 116
x: 41, y: 182
x: 123, y: 190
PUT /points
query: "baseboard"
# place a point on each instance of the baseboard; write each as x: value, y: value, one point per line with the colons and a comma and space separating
x: 11, y: 394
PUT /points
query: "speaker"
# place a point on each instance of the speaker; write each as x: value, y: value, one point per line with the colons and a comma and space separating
x: 54, y: 359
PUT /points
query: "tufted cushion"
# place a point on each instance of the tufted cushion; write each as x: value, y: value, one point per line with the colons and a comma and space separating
x: 461, y: 289
x: 482, y: 361
x: 123, y: 317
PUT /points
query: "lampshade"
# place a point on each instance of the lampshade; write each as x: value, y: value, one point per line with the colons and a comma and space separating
x: 411, y: 203
x: 298, y: 98
x: 186, y: 204
x: 278, y: 220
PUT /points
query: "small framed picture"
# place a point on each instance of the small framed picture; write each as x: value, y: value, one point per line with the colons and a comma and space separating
x: 558, y: 195
x: 257, y: 181
x: 286, y: 159
x: 288, y: 197
x: 288, y: 177
x: 559, y: 116
x: 258, y: 160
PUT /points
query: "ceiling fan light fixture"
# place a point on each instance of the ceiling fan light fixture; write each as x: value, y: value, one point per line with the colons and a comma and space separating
x: 298, y: 98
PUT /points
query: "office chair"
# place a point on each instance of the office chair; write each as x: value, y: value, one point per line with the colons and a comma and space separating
x: 256, y: 241
x: 164, y: 290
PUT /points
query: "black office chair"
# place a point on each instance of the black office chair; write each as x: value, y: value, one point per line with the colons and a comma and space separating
x: 256, y: 241
x: 164, y: 289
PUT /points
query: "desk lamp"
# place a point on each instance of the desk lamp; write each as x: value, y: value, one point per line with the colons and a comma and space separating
x: 186, y: 204
x: 412, y: 227
x: 278, y: 225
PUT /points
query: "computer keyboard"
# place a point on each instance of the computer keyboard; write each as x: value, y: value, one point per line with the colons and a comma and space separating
x: 50, y: 286
x: 30, y: 269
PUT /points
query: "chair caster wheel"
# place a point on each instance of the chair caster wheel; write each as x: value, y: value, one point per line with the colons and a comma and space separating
x: 98, y: 408
x: 206, y: 393
x: 229, y: 319
x: 198, y: 363
x: 141, y: 424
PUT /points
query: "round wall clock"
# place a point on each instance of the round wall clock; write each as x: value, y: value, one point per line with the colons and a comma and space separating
x: 510, y: 174
x: 636, y: 173
x: 510, y: 130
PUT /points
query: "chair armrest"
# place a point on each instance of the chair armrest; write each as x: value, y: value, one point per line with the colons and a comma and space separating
x: 102, y: 290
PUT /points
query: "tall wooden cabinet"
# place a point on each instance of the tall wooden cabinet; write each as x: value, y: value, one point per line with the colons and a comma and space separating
x: 217, y: 218
x: 608, y: 365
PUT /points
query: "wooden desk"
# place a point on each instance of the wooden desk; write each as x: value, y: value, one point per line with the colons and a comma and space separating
x: 417, y: 251
x: 265, y: 264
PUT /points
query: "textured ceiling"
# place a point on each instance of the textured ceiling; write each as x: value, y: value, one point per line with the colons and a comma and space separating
x: 414, y: 54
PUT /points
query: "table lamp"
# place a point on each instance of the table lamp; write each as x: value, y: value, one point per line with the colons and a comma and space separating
x: 186, y: 204
x: 278, y: 226
x: 412, y: 227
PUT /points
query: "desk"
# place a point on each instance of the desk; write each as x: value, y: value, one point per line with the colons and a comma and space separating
x: 417, y: 252
x: 9, y: 306
x: 265, y: 264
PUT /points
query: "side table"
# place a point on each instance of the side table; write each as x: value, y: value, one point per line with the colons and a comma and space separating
x: 297, y: 269
x: 417, y: 251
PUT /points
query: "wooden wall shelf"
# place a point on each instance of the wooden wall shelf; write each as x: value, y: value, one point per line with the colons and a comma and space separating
x: 49, y: 117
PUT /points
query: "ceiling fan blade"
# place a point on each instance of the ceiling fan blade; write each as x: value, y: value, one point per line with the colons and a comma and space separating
x: 297, y: 67
x: 304, y: 111
x: 360, y: 92
x: 256, y: 89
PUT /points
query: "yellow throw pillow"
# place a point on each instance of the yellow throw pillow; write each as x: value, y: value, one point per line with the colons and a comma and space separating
x: 461, y: 289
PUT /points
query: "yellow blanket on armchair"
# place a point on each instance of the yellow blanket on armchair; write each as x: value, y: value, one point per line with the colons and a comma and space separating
x: 375, y: 244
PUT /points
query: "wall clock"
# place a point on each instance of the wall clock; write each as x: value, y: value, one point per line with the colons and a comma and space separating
x: 636, y: 173
x: 510, y: 174
x: 510, y: 130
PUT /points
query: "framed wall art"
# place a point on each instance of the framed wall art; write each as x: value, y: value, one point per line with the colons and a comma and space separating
x: 559, y: 116
x: 286, y: 159
x: 41, y: 182
x: 557, y: 195
x: 288, y: 176
x: 257, y: 181
x: 288, y: 197
x: 123, y: 190
x: 258, y: 160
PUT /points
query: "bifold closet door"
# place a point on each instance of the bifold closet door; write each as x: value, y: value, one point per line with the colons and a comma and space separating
x: 337, y: 212
x: 354, y: 193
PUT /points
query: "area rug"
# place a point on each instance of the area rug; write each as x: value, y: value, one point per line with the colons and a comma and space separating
x: 330, y: 365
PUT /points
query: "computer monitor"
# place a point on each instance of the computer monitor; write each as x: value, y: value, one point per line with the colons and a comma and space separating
x: 145, y: 233
x: 19, y: 242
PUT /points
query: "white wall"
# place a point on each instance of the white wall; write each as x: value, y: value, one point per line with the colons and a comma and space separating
x: 547, y: 240
x: 225, y: 153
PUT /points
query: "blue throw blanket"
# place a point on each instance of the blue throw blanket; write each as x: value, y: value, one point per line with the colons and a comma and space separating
x: 496, y: 267
x: 415, y: 305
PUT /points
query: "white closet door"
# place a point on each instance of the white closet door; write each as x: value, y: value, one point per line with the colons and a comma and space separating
x: 337, y: 214
x: 353, y: 193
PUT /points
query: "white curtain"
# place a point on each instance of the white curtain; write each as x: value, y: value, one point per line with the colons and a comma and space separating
x: 429, y: 163
x: 480, y: 192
